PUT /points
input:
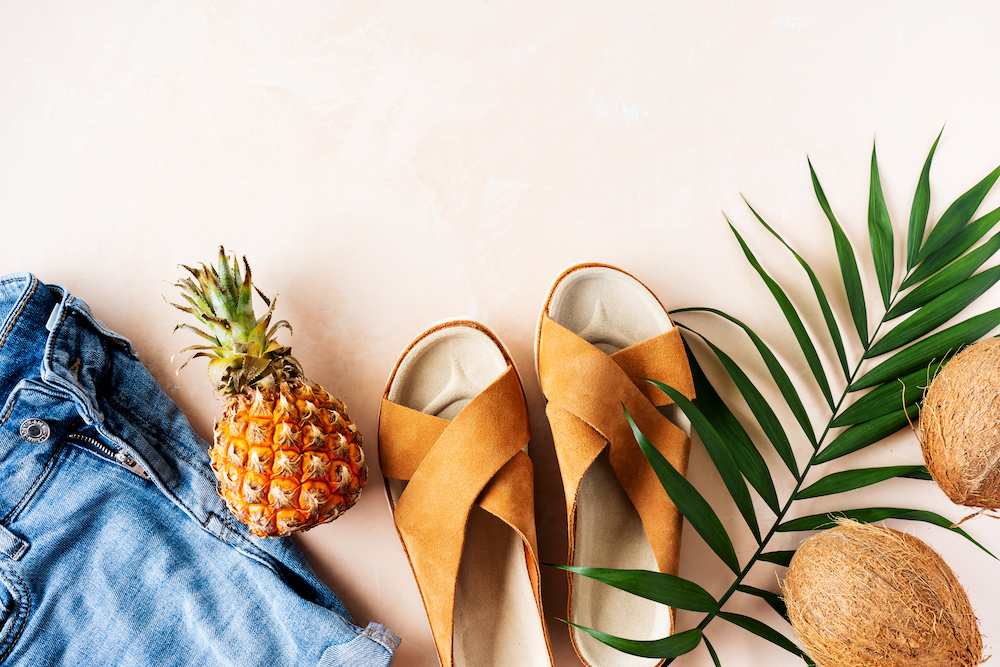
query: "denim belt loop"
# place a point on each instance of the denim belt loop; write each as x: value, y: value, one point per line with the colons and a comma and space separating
x: 12, y: 545
x: 53, y: 322
x: 57, y: 373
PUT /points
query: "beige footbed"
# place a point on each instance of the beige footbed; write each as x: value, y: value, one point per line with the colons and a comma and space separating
x: 496, y: 618
x: 612, y: 311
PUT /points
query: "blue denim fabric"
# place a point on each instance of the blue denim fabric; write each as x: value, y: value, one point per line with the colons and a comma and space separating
x: 100, y: 565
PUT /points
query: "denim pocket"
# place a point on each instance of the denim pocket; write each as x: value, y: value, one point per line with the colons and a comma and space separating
x: 13, y: 610
x: 6, y: 610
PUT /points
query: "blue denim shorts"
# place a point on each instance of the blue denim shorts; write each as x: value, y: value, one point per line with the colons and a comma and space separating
x: 115, y: 548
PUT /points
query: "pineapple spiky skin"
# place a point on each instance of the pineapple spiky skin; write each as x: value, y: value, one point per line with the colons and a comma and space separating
x: 286, y: 454
x: 287, y: 457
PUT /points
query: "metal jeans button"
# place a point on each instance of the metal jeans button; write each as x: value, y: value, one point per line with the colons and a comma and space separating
x: 34, y: 430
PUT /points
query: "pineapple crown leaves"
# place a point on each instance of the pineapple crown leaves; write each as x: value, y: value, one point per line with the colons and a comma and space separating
x: 241, y: 347
x: 939, y: 281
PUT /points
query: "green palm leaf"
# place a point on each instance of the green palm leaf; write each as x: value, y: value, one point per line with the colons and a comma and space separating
x: 880, y: 233
x: 867, y: 433
x: 848, y: 263
x: 929, y: 349
x: 849, y: 480
x: 763, y: 631
x: 777, y: 372
x: 824, y: 303
x: 711, y: 652
x: 782, y: 558
x: 720, y: 453
x: 937, y: 312
x: 668, y: 647
x: 666, y: 589
x: 753, y: 466
x: 691, y: 504
x: 945, y: 280
x: 943, y: 285
x: 957, y: 215
x: 794, y: 321
x: 744, y: 451
x: 772, y: 599
x: 873, y: 515
x: 889, y: 397
x: 918, y: 212
x: 961, y: 242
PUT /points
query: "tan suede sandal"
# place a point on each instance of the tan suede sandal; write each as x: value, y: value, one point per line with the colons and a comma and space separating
x: 453, y: 433
x: 599, y: 332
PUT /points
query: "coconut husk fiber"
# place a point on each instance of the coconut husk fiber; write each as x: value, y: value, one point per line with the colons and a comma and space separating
x: 960, y: 426
x: 862, y: 595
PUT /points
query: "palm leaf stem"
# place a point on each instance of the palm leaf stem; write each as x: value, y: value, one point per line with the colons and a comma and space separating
x: 760, y: 549
x: 791, y: 498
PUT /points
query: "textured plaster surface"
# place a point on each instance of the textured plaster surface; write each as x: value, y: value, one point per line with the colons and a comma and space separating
x: 387, y: 164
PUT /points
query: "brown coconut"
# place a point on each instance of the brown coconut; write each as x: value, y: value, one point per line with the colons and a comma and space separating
x: 862, y: 595
x: 960, y: 426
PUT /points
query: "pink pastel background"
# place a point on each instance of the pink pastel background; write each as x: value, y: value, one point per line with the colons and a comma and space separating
x: 385, y: 164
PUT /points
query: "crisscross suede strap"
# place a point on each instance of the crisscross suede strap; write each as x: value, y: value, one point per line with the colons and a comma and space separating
x: 476, y: 458
x: 586, y: 389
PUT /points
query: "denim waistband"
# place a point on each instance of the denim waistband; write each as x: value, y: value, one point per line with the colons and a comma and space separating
x: 57, y: 359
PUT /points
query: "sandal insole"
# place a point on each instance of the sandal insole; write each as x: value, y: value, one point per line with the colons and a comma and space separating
x: 496, y: 620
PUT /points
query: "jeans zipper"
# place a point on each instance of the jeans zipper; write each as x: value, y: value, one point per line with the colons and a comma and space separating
x: 119, y: 456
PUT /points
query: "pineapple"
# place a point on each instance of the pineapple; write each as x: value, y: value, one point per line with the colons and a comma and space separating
x: 286, y: 455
